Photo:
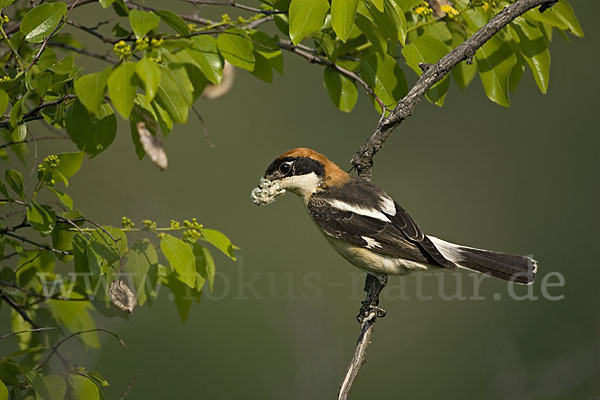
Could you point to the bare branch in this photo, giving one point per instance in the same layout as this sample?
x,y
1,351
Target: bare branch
x,y
83,51
363,158
57,345
49,328
232,3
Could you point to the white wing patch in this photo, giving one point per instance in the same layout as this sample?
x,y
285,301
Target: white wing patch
x,y
450,251
371,243
356,209
387,205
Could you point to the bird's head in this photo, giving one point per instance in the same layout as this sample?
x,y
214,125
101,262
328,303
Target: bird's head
x,y
301,171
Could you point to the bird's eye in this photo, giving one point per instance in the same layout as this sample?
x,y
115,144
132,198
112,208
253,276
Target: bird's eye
x,y
285,168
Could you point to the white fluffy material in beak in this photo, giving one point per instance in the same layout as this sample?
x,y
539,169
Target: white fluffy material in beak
x,y
266,192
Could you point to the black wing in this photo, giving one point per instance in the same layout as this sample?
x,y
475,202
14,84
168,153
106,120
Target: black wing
x,y
400,237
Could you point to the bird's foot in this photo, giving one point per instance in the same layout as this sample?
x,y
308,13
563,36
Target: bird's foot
x,y
367,310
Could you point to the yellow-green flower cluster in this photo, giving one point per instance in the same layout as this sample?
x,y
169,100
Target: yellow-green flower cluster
x,y
148,224
488,5
192,224
127,223
191,235
52,160
4,79
450,11
4,19
423,9
142,44
122,49
175,224
156,42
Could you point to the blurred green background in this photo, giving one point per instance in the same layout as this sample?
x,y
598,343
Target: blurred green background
x,y
280,323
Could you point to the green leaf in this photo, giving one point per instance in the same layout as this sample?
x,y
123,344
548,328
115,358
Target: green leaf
x,y
532,45
15,181
92,134
106,3
139,259
41,82
175,93
306,17
149,73
64,66
219,240
268,48
69,164
57,387
180,257
4,190
204,51
262,68
142,22
385,77
121,88
182,295
41,218
378,4
561,16
385,22
342,90
75,316
83,388
3,101
495,60
370,30
237,48
428,50
6,3
174,21
40,21
205,264
342,17
109,243
515,75
64,198
19,133
90,89
3,391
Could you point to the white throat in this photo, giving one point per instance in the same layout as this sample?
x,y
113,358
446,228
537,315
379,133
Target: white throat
x,y
303,185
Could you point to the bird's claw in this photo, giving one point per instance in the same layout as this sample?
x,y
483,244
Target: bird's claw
x,y
366,310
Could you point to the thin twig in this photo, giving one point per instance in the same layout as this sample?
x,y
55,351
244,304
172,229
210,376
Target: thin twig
x,y
232,3
49,328
93,32
31,140
33,114
18,309
313,58
39,245
57,345
45,42
83,51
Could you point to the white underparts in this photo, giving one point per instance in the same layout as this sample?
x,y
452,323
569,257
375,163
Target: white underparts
x,y
356,209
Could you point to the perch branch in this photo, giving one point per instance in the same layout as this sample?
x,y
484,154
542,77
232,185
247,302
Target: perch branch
x,y
363,158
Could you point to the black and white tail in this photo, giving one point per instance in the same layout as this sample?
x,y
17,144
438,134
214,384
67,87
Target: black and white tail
x,y
510,267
